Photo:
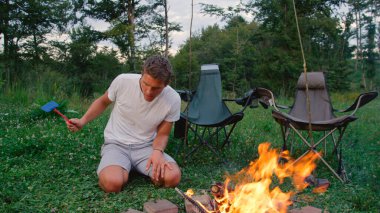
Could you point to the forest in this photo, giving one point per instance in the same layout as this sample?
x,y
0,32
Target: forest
x,y
339,37
50,50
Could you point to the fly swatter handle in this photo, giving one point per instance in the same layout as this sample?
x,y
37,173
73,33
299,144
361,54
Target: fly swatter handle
x,y
62,115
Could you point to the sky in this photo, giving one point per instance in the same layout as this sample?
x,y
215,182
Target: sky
x,y
180,12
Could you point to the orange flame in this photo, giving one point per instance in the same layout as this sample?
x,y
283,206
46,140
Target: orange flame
x,y
189,192
253,189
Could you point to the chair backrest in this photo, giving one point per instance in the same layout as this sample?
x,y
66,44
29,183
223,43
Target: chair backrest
x,y
207,106
320,104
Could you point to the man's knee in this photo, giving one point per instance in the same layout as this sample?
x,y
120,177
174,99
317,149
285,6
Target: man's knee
x,y
111,184
173,178
110,181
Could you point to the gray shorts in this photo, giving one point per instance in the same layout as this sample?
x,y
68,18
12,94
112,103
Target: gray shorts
x,y
128,156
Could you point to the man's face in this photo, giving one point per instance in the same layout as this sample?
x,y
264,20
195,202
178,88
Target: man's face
x,y
151,87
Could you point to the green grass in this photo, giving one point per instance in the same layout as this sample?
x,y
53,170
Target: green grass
x,y
45,168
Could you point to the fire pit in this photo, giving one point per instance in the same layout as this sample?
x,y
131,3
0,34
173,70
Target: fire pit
x,y
253,189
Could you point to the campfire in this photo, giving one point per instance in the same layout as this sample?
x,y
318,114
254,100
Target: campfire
x,y
256,188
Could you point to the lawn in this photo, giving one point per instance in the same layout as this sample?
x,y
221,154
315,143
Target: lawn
x,y
45,168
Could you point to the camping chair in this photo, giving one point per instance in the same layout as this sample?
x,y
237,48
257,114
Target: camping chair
x,y
320,119
207,115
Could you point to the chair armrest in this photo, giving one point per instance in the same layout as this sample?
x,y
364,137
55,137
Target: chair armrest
x,y
245,101
186,95
266,97
283,106
360,101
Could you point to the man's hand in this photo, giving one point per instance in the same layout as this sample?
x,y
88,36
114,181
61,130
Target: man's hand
x,y
75,125
96,108
158,163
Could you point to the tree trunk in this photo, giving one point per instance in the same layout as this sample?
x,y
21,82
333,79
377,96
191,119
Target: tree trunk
x,y
378,38
7,60
131,33
36,51
190,53
166,28
6,48
363,80
235,76
357,41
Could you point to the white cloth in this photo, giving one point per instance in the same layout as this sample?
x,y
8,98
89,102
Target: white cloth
x,y
134,120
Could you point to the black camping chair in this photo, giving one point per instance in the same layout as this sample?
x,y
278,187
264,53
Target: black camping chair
x,y
320,119
206,115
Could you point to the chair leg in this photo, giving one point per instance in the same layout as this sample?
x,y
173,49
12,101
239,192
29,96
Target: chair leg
x,y
338,151
325,144
341,132
312,147
225,136
292,141
200,137
329,167
339,155
341,168
181,132
228,135
323,160
192,151
197,137
285,134
217,136
216,133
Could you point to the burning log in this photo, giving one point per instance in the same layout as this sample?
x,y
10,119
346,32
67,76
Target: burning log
x,y
217,190
197,205
251,190
320,185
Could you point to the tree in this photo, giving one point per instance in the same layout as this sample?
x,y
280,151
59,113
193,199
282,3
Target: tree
x,y
24,25
366,12
156,28
104,66
358,7
369,50
234,53
122,16
266,52
81,52
235,45
133,24
87,68
321,34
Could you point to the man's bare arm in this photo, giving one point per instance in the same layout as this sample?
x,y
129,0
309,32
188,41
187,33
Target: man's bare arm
x,y
157,160
162,137
96,108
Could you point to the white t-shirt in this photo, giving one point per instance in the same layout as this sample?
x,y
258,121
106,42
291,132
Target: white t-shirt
x,y
134,120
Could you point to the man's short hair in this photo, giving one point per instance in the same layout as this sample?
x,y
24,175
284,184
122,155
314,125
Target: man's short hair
x,y
158,67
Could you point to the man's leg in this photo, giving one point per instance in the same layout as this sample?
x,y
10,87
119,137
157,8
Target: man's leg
x,y
171,178
113,168
113,178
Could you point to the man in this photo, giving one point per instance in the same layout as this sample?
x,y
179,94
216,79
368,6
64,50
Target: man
x,y
138,129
